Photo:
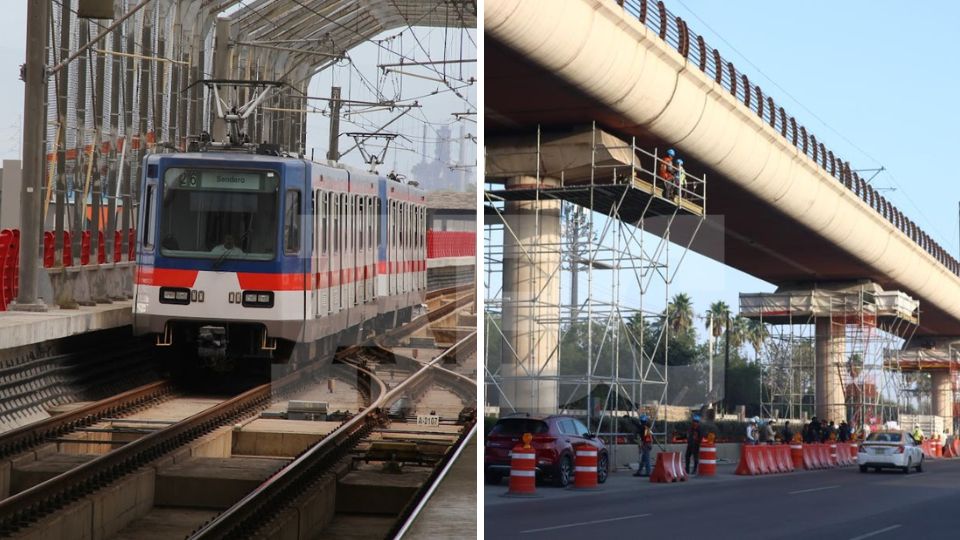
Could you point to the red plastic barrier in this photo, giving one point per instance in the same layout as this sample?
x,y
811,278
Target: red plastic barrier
x,y
49,242
67,248
117,246
101,248
747,466
668,468
784,459
6,275
834,458
85,248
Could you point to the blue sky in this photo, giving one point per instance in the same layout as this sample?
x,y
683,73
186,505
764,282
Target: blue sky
x,y
872,79
875,85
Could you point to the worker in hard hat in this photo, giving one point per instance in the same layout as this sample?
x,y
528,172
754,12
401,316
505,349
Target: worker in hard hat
x,y
694,436
666,173
752,432
681,177
917,433
644,445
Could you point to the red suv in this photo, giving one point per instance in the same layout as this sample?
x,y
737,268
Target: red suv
x,y
553,440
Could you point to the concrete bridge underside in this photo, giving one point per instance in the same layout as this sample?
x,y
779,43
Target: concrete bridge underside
x,y
562,64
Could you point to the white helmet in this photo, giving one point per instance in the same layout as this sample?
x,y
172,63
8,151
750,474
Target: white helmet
x,y
756,419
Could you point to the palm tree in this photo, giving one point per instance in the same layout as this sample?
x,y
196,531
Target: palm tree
x,y
757,333
680,313
739,331
718,313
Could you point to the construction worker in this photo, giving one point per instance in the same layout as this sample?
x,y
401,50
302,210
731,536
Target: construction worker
x,y
917,433
666,173
681,177
694,436
644,445
768,433
787,432
752,431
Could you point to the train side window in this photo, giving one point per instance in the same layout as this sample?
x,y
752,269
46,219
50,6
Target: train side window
x,y
324,231
291,222
335,217
361,216
148,232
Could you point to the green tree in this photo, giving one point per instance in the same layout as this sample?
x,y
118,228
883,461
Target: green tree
x,y
680,313
757,334
739,331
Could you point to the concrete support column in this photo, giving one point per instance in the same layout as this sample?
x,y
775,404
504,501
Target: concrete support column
x,y
531,301
831,354
943,397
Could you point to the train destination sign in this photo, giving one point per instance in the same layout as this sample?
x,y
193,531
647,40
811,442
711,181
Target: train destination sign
x,y
219,179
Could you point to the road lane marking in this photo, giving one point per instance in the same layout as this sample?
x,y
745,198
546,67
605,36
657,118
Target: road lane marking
x,y
811,490
584,523
874,533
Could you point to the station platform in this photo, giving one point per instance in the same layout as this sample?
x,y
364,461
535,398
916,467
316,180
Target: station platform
x,y
451,511
21,328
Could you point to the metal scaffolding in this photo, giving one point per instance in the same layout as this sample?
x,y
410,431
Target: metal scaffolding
x,y
862,328
575,318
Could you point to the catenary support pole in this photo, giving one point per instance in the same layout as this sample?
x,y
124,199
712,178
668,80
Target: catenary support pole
x,y
34,118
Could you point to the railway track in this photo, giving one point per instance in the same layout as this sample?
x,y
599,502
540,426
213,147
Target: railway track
x,y
31,505
246,518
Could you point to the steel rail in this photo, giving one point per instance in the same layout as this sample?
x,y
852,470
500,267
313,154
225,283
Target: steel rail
x,y
431,486
25,437
243,519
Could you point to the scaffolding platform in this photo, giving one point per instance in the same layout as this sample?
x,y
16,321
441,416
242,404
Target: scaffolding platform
x,y
630,201
867,304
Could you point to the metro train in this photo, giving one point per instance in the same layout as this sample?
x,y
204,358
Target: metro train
x,y
254,256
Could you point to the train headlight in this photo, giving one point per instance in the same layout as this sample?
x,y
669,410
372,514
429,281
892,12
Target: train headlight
x,y
174,295
260,299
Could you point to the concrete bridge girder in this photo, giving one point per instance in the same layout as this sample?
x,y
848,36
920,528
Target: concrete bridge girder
x,y
567,37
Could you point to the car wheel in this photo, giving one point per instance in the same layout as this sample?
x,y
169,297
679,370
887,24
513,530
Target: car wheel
x,y
920,465
906,470
492,478
602,468
564,472
863,468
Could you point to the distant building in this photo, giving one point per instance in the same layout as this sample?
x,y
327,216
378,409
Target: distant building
x,y
442,173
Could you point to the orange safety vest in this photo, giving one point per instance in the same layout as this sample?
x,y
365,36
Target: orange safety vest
x,y
666,168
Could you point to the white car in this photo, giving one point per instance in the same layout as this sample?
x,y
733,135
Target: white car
x,y
890,449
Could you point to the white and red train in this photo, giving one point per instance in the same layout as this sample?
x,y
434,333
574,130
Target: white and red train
x,y
248,256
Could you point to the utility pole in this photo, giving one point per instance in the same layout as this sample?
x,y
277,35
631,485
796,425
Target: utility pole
x,y
34,75
333,153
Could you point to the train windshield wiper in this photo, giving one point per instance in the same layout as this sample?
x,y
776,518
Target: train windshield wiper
x,y
221,258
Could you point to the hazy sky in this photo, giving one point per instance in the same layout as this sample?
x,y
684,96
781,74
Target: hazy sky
x,y
436,110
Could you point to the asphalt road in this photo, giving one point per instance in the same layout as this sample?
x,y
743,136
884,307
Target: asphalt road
x,y
813,505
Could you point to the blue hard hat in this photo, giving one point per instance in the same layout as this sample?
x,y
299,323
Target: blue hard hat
x,y
696,418
679,162
644,418
671,153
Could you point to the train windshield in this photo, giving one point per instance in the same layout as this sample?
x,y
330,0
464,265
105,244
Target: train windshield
x,y
219,214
